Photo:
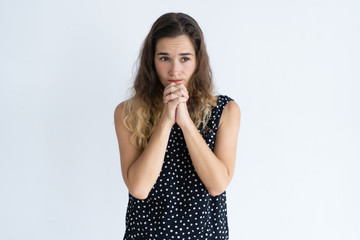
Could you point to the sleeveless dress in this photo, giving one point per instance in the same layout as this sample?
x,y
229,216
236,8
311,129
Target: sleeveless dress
x,y
179,206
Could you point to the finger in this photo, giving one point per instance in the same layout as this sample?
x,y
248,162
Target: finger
x,y
182,86
170,89
175,86
179,89
183,99
175,102
170,97
185,92
182,93
169,86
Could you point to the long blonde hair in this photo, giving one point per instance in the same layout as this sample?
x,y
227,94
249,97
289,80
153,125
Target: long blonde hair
x,y
143,110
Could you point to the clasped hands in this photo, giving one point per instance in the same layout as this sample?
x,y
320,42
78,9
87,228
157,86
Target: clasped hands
x,y
175,109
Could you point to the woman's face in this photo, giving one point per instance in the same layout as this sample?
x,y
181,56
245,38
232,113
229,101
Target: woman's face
x,y
175,59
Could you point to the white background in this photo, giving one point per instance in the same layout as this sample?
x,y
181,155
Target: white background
x,y
292,67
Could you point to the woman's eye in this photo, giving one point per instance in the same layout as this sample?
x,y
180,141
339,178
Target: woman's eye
x,y
164,58
185,59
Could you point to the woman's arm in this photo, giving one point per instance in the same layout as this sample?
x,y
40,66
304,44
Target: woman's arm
x,y
215,169
140,170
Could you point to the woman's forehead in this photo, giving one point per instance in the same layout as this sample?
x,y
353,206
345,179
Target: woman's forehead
x,y
173,45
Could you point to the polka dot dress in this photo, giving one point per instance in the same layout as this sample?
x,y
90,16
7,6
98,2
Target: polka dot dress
x,y
179,206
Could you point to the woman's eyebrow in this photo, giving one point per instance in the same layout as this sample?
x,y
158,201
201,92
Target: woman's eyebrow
x,y
181,54
185,54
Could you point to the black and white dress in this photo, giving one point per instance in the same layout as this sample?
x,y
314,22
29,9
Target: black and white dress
x,y
179,206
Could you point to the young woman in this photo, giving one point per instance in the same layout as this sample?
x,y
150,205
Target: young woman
x,y
177,140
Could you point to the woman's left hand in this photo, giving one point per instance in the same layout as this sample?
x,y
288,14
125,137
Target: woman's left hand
x,y
182,116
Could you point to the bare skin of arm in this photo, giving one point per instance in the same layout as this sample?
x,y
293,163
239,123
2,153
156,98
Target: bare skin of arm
x,y
140,169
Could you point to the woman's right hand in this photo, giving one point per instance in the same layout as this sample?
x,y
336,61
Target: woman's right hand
x,y
174,94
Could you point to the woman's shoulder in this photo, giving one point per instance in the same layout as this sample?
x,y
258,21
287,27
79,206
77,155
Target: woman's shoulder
x,y
119,109
228,107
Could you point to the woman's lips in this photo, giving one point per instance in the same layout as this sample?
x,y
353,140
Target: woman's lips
x,y
175,80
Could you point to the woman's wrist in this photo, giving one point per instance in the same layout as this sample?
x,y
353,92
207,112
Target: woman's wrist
x,y
186,123
164,123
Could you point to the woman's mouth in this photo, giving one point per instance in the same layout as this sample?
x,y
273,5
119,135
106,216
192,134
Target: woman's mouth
x,y
175,80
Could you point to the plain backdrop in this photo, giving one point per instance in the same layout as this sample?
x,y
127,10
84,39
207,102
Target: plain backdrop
x,y
292,67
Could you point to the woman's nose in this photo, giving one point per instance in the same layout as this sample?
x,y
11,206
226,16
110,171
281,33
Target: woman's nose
x,y
174,69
